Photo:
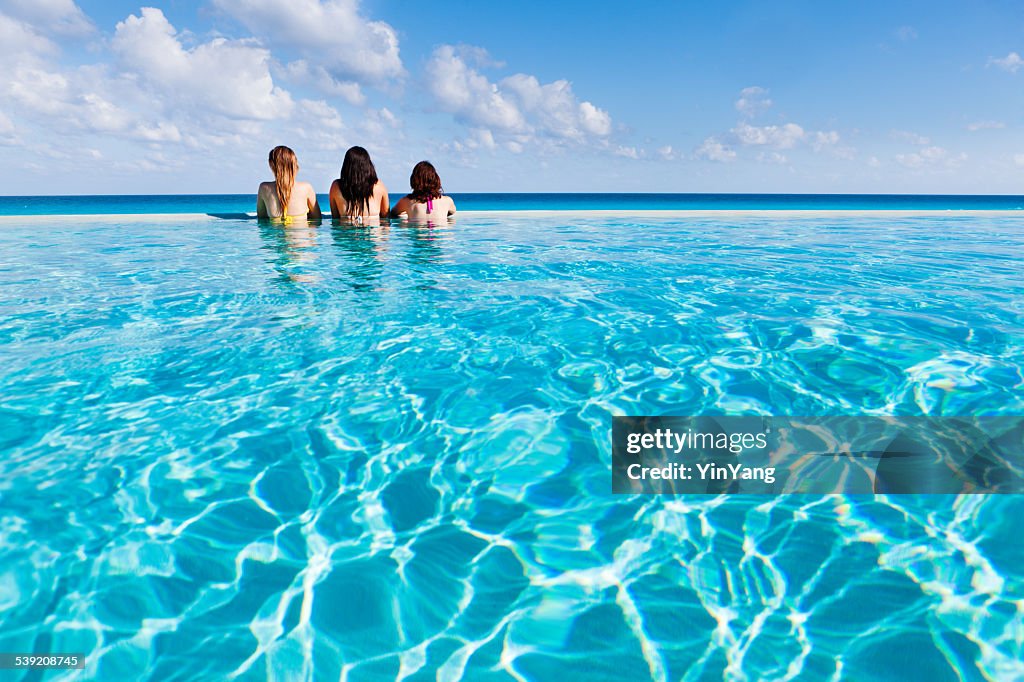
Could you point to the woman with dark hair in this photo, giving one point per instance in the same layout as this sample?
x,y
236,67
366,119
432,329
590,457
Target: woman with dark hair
x,y
427,200
285,197
357,194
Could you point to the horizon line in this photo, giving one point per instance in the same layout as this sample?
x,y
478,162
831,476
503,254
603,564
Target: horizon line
x,y
638,194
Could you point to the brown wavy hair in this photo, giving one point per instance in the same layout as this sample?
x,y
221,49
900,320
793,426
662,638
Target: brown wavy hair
x,y
425,182
282,162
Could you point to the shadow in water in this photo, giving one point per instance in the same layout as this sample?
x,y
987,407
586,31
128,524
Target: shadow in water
x,y
293,247
232,216
426,243
364,250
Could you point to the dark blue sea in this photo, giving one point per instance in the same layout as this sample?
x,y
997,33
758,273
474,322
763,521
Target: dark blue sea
x,y
238,203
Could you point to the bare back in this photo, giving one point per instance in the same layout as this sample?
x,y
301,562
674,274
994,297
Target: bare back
x,y
302,203
379,204
420,211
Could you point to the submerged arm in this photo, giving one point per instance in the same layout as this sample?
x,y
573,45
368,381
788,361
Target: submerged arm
x,y
401,207
385,203
261,204
334,197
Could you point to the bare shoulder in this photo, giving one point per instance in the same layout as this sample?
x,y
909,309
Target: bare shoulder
x,y
380,187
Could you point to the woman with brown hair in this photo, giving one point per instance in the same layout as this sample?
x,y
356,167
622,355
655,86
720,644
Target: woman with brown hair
x,y
285,198
427,201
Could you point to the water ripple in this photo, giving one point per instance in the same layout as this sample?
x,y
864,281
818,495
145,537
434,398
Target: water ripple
x,y
249,452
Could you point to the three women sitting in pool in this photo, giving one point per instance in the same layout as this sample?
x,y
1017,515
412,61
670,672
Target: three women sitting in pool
x,y
356,195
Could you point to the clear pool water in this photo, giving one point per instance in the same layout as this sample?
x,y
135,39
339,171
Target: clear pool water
x,y
239,451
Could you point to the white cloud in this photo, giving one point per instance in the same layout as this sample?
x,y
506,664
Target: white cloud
x,y
231,78
301,72
752,101
767,141
930,157
628,152
829,141
909,136
470,96
43,93
927,155
8,131
518,106
159,99
772,157
1011,62
554,108
332,34
325,115
985,125
72,102
779,137
153,162
477,57
319,126
824,139
62,17
162,131
713,150
479,138
667,152
19,42
378,122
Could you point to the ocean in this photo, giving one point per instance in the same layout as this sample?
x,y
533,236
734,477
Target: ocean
x,y
241,203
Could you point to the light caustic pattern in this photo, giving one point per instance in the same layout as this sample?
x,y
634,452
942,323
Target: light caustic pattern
x,y
234,451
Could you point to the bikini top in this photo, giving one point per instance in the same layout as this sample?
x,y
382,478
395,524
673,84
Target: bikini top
x,y
430,204
285,218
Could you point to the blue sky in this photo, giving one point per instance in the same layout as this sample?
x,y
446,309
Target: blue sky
x,y
117,97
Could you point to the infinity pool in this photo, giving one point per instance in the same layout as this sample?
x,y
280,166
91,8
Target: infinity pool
x,y
240,451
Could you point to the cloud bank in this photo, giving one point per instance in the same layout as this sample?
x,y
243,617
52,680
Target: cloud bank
x,y
518,109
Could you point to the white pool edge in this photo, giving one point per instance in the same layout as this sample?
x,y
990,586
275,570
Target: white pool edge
x,y
568,213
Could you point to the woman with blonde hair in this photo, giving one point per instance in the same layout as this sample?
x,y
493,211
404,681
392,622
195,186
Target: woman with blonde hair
x,y
286,198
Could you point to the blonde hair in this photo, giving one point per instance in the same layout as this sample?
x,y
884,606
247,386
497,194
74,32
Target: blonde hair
x,y
282,163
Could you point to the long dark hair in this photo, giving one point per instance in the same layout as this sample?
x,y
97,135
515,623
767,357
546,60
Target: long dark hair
x,y
357,180
425,182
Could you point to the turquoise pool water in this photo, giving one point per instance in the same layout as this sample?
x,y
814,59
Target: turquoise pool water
x,y
239,451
